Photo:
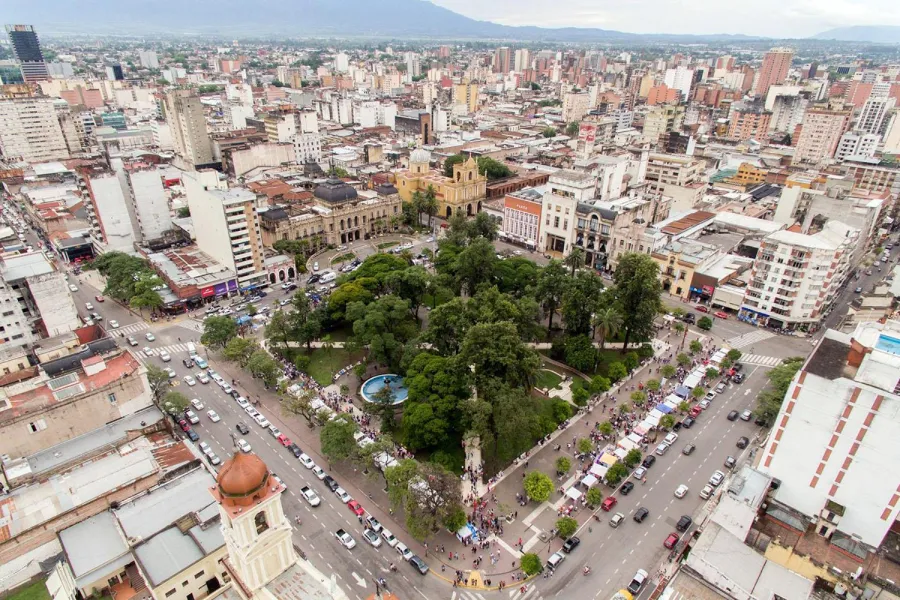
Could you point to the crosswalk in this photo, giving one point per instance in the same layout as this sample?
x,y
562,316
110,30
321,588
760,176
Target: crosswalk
x,y
514,592
171,349
763,361
752,337
133,328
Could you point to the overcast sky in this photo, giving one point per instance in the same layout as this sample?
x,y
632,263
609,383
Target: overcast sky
x,y
773,18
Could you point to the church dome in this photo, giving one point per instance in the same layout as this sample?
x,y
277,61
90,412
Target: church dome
x,y
385,189
420,155
335,190
242,475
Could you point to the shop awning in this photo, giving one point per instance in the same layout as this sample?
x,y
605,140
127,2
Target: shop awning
x,y
589,481
573,493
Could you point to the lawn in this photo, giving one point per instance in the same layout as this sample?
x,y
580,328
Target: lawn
x,y
343,257
35,591
547,380
433,302
386,245
324,363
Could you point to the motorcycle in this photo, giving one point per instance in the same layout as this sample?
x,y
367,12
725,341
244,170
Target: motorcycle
x,y
587,570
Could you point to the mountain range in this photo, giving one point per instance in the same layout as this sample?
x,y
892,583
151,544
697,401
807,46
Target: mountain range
x,y
879,34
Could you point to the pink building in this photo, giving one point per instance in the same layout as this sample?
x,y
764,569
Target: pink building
x,y
774,69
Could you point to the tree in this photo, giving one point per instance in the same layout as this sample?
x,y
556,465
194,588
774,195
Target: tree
x,y
482,226
705,323
384,326
600,384
566,527
638,398
300,405
252,310
217,331
548,132
679,327
371,456
563,464
538,486
683,359
607,321
240,350
580,353
531,564
496,352
475,265
652,385
594,497
695,346
429,494
572,129
580,395
336,438
633,458
684,406
734,355
667,371
278,330
582,297
624,408
585,445
616,371
410,285
712,373
637,294
667,421
262,366
176,402
768,402
698,392
616,473
343,296
551,286
382,407
631,361
158,380
456,519
575,260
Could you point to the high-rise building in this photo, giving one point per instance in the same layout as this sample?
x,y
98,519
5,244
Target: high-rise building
x,y
187,120
522,60
749,121
820,132
872,118
230,227
413,66
109,209
115,72
467,95
681,79
148,59
30,130
857,144
27,51
502,60
774,70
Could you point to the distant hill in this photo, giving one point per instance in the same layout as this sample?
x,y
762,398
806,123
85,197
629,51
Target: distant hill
x,y
878,34
297,18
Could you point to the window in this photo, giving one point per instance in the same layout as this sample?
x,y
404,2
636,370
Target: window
x,y
198,575
36,426
184,584
170,593
261,523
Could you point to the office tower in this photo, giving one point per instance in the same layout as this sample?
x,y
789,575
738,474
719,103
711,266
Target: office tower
x,y
187,120
680,79
774,70
502,60
149,59
522,60
115,73
872,117
30,130
413,67
821,131
27,51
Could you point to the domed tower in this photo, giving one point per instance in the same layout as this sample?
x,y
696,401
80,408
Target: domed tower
x,y
257,533
420,161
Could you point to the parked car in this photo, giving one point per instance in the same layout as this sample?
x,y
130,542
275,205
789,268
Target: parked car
x,y
688,422
747,415
671,540
648,461
732,415
730,462
742,442
419,564
570,544
720,314
683,523
608,503
717,478
641,514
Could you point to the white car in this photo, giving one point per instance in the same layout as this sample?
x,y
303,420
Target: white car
x,y
372,537
170,372
72,288
315,268
204,448
89,306
243,445
306,461
225,387
213,416
403,551
671,438
345,539
242,402
114,324
251,411
681,491
639,473
197,404
192,417
717,478
272,429
150,337
148,351
165,356
342,494
261,420
202,378
389,538
190,380
319,473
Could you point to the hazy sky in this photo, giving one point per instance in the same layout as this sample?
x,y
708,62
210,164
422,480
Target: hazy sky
x,y
774,18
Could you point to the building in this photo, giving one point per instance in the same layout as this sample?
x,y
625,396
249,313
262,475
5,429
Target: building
x,y
774,70
460,194
502,60
522,60
187,120
27,51
822,128
115,73
681,79
466,94
144,184
522,217
564,191
679,261
873,118
148,59
749,121
788,110
30,130
109,209
830,441
855,144
307,147
662,119
230,225
575,106
797,276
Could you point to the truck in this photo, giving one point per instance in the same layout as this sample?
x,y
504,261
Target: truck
x,y
309,495
640,578
345,539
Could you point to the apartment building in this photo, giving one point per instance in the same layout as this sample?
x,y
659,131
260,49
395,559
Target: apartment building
x,y
856,144
565,190
187,119
109,209
144,183
774,70
672,169
873,117
680,79
749,121
821,131
662,119
797,276
522,216
575,106
307,147
466,94
30,130
229,232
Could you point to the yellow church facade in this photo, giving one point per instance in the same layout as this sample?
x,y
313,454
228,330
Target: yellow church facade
x,y
461,194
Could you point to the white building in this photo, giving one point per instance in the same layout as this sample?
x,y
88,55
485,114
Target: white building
x,y
521,60
341,62
564,191
575,106
522,216
681,79
30,130
151,206
230,225
872,117
162,135
148,59
108,207
307,147
834,443
857,144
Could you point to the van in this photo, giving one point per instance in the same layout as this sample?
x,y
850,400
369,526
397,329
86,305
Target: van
x,y
327,277
191,349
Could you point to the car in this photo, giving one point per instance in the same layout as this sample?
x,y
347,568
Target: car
x,y
261,420
202,378
214,459
319,472
89,306
73,288
419,564
99,298
637,582
608,503
730,462
96,316
700,308
671,438
716,478
695,411
689,318
681,491
704,404
190,380
720,314
355,507
330,483
721,387
738,378
710,396
242,402
187,362
736,367
626,488
372,523
316,267
877,264
404,552
242,428
306,461
616,520
747,415
743,442
707,491
345,539
114,324
671,540
761,421
197,404
204,447
310,496
225,387
639,473
243,445
688,422
389,538
150,337
648,461
200,362
192,435
165,356
372,537
342,495
170,372
192,417
570,544
684,523
213,416
131,341
314,278
555,560
641,514
184,424
283,439
733,415
284,302
661,449
295,450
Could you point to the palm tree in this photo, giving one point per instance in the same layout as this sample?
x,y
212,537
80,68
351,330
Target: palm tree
x,y
418,199
575,259
430,204
608,321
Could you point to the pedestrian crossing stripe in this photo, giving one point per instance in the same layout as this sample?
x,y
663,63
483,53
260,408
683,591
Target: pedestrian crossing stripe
x,y
763,361
126,329
171,349
751,337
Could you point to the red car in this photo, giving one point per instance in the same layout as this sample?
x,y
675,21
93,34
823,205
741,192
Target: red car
x,y
283,440
696,410
701,309
609,503
99,298
721,315
671,541
356,508
184,424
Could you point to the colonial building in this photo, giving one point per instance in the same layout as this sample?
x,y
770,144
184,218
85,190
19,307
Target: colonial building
x,y
460,194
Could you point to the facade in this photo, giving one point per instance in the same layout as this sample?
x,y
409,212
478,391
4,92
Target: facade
x,y
307,147
873,116
30,130
678,262
187,120
460,194
109,209
774,70
466,94
522,216
565,190
230,232
821,131
681,79
855,144
672,169
151,206
749,122
662,119
27,51
502,60
575,106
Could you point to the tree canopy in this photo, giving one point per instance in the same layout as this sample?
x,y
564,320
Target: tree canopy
x,y
637,294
